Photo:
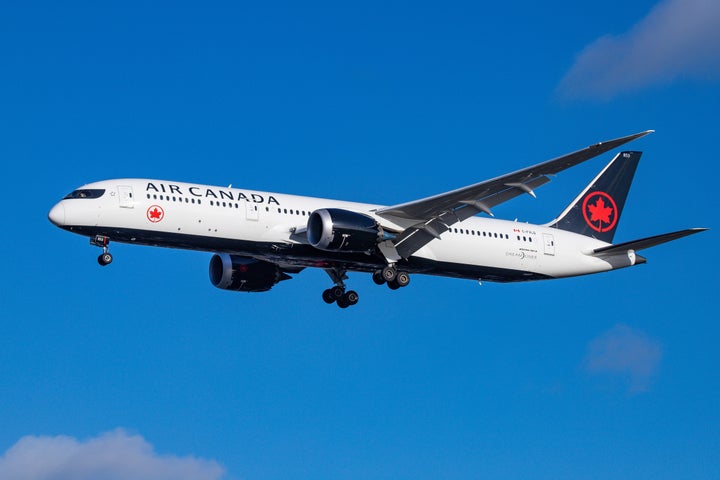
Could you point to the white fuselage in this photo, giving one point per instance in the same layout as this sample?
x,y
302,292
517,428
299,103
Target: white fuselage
x,y
269,226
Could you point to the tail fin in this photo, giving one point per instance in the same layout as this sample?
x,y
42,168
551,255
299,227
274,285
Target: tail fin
x,y
596,211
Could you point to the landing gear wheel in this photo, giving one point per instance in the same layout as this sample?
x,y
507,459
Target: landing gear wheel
x,y
351,297
402,279
393,285
377,277
327,296
389,273
343,302
337,292
105,259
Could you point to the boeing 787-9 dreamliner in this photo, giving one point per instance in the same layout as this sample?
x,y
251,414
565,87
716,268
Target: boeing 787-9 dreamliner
x,y
261,238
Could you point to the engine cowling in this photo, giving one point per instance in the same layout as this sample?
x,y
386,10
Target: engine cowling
x,y
334,229
243,274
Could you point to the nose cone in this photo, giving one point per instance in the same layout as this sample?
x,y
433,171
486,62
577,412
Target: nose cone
x,y
57,215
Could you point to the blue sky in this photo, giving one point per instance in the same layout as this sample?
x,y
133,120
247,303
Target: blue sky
x,y
144,362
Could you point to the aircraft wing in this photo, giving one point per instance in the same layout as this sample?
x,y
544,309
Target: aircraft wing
x,y
434,215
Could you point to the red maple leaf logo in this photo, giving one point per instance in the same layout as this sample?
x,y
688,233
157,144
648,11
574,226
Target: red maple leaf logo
x,y
599,212
155,213
602,215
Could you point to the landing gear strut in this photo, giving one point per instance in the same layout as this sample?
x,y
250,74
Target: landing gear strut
x,y
102,241
337,294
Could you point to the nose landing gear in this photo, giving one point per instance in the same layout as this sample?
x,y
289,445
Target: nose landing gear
x,y
102,241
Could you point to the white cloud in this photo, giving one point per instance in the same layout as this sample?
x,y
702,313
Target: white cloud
x,y
678,39
625,352
115,455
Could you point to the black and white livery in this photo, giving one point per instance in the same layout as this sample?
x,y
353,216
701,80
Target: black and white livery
x,y
260,239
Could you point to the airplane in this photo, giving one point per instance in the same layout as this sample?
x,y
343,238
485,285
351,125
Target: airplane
x,y
259,239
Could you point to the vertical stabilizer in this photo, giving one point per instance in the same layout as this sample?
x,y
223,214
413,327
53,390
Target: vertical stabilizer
x,y
596,211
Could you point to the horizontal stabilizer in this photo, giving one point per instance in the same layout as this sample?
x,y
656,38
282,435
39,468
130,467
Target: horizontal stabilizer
x,y
645,242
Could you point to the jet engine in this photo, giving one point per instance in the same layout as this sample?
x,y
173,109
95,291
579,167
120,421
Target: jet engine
x,y
335,230
244,274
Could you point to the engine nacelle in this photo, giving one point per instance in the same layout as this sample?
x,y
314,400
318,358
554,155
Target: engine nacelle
x,y
243,274
335,230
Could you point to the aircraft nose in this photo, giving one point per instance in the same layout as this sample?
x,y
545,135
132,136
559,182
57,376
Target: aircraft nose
x,y
57,215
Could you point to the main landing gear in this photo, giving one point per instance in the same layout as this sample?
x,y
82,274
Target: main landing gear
x,y
102,241
390,275
337,294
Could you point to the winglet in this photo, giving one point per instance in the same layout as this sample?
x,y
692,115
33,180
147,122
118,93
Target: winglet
x,y
624,140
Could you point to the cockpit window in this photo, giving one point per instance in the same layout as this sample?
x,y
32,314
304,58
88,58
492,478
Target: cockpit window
x,y
86,193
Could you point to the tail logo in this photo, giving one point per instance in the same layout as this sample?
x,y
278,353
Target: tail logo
x,y
600,211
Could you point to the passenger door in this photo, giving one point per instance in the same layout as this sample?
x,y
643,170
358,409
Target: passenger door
x,y
125,196
549,242
252,212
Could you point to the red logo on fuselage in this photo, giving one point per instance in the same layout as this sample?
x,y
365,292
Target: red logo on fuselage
x,y
600,211
155,213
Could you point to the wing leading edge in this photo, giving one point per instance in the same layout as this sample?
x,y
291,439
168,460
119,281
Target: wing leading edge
x,y
434,215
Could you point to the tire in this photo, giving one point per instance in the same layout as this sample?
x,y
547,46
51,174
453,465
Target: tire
x,y
377,277
105,259
337,292
328,297
393,285
402,279
342,302
352,297
389,273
